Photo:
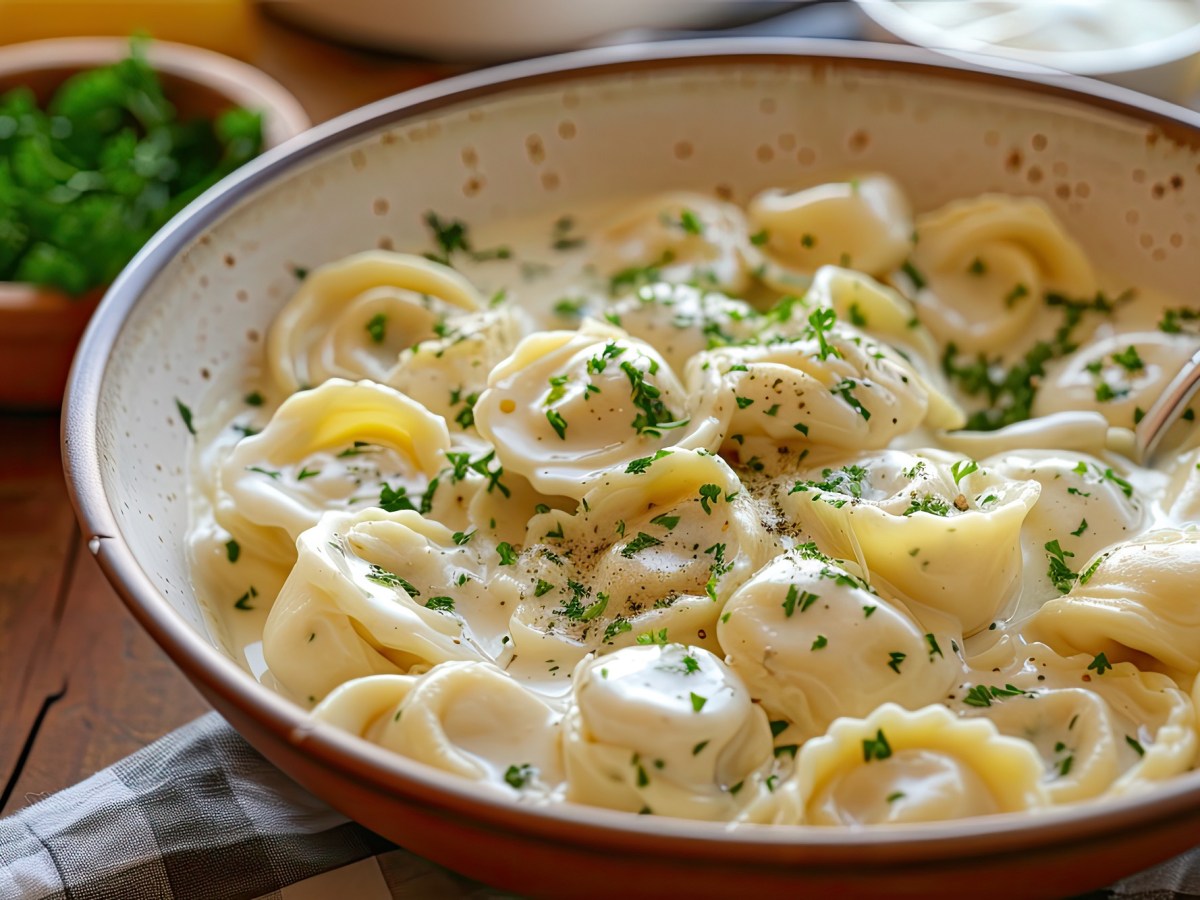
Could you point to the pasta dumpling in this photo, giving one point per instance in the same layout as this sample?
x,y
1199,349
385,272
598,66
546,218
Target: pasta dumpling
x,y
940,531
681,320
831,389
446,373
654,551
351,318
382,593
1135,601
1118,376
897,766
984,264
664,729
865,222
676,237
567,406
334,447
813,642
1083,507
1099,727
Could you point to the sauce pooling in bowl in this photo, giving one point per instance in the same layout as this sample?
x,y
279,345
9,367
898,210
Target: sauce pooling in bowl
x,y
803,512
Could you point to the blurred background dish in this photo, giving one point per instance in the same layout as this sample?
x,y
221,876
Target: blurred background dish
x,y
1148,45
40,326
486,30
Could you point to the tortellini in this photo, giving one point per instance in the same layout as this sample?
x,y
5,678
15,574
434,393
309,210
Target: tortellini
x,y
833,388
980,268
896,766
676,237
940,531
813,642
1099,728
695,516
665,729
1119,376
568,406
381,593
329,448
352,317
655,550
1084,506
864,223
1135,601
680,320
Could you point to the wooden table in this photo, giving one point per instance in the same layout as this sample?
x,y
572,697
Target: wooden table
x,y
82,684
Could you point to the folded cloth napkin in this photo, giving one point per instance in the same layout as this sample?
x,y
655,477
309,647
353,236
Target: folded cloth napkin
x,y
200,814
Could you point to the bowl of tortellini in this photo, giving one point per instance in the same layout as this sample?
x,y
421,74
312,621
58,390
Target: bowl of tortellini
x,y
706,465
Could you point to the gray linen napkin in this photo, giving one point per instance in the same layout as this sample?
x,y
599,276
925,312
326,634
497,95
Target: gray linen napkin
x,y
200,814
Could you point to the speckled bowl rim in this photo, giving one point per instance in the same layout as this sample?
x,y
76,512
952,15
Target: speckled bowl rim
x,y
383,772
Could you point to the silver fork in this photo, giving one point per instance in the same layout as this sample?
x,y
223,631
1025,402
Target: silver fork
x,y
1162,414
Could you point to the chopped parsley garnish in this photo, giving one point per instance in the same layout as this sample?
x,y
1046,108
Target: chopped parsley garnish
x,y
1083,524
1128,359
441,604
394,500
1009,394
913,274
507,555
232,550
820,643
638,544
665,521
983,695
557,422
690,222
380,575
592,610
185,413
377,327
451,238
617,626
653,637
929,503
820,322
797,598
963,468
1136,745
895,658
543,588
518,776
844,389
709,493
876,748
1060,574
243,602
1099,664
639,466
254,398
697,701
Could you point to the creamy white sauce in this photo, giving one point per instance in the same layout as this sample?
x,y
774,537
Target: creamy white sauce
x,y
631,527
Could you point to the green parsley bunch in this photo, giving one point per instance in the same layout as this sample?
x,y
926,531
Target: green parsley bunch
x,y
86,181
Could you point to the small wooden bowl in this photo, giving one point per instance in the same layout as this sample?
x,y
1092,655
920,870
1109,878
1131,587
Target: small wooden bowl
x,y
40,328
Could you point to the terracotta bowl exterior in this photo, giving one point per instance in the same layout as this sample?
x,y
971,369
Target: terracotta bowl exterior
x,y
39,328
186,321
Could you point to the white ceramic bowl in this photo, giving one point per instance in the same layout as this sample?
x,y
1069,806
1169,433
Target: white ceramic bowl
x,y
483,30
1165,65
186,321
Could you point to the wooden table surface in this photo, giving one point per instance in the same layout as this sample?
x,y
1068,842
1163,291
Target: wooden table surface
x,y
83,686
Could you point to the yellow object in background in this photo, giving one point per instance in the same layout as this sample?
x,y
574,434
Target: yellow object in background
x,y
227,26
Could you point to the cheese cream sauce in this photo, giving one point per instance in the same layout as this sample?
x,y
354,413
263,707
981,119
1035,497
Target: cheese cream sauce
x,y
807,511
